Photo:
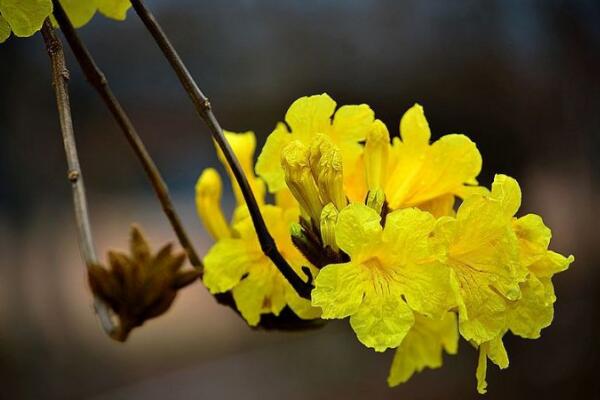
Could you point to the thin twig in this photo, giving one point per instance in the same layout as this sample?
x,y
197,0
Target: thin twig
x,y
204,109
98,80
60,77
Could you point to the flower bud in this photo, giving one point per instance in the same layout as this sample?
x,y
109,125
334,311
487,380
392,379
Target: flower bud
x,y
376,155
328,220
208,204
298,176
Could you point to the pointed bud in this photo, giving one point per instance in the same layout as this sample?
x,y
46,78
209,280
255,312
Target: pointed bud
x,y
208,204
376,155
375,200
319,145
331,178
328,221
298,176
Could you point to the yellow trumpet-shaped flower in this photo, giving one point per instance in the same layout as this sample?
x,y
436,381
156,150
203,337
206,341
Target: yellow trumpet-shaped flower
x,y
482,251
236,262
534,310
414,173
307,117
390,275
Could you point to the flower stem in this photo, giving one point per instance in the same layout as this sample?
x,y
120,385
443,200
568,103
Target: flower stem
x,y
98,80
204,109
60,77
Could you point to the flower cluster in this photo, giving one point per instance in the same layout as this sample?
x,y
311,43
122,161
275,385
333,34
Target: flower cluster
x,y
375,221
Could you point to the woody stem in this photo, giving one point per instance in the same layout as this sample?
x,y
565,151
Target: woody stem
x,y
204,110
98,80
60,78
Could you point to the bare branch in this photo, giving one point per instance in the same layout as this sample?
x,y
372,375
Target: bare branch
x,y
98,80
60,77
204,109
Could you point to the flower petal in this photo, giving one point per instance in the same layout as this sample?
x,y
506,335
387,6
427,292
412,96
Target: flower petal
x,y
428,288
261,292
453,160
440,206
507,192
208,204
495,351
268,165
310,115
4,29
407,233
358,227
422,347
414,128
79,12
226,263
382,320
115,9
351,123
301,307
243,146
534,310
551,264
25,17
339,290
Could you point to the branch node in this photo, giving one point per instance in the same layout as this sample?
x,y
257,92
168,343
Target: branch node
x,y
73,176
66,75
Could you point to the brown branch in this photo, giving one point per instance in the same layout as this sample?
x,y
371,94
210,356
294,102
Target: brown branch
x,y
204,109
60,77
98,80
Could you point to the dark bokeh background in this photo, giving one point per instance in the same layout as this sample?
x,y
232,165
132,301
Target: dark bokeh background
x,y
521,78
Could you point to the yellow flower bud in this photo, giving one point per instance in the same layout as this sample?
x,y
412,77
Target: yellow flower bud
x,y
319,145
328,220
376,155
376,199
330,178
298,176
208,204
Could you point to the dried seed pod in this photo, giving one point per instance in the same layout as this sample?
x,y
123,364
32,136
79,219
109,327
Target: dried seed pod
x,y
140,285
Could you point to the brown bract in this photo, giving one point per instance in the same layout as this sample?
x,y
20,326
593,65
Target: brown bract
x,y
140,285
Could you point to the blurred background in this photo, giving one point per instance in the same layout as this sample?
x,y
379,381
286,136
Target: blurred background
x,y
521,78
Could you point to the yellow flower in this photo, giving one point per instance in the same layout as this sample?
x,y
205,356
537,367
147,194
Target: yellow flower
x,y
390,275
481,250
236,262
414,173
307,117
527,316
422,347
535,309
